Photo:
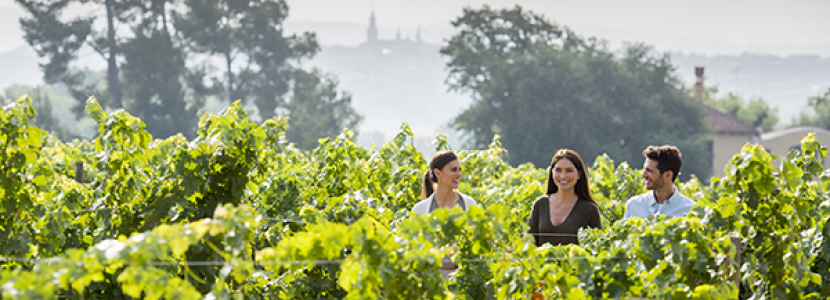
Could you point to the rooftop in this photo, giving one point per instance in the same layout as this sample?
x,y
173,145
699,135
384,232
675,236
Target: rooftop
x,y
793,129
727,124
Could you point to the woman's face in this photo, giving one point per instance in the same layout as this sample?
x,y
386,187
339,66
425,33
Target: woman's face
x,y
565,174
450,175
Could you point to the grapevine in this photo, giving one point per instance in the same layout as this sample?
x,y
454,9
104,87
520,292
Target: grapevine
x,y
239,213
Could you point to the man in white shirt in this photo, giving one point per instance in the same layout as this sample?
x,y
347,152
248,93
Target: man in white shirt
x,y
660,170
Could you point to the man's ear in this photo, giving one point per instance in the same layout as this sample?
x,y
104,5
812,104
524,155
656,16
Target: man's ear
x,y
668,175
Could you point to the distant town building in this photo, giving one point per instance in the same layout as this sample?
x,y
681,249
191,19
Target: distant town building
x,y
372,31
731,134
372,38
782,141
729,137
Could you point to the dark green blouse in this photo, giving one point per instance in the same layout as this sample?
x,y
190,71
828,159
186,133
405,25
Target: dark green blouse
x,y
585,213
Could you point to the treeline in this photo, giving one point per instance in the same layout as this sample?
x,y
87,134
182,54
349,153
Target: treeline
x,y
537,84
784,82
165,58
542,87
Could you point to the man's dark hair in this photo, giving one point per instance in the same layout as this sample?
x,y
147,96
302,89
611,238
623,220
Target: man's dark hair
x,y
667,158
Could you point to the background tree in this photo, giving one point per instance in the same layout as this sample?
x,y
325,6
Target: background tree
x,y
317,110
60,41
247,36
146,58
817,112
161,64
154,73
542,87
42,103
755,111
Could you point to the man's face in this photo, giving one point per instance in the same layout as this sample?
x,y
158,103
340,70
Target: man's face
x,y
654,180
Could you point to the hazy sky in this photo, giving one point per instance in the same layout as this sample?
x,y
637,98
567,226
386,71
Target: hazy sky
x,y
700,26
703,26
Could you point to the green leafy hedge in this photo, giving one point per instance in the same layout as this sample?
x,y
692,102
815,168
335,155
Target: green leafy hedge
x,y
239,213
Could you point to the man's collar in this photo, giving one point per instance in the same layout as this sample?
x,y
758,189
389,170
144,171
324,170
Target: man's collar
x,y
653,198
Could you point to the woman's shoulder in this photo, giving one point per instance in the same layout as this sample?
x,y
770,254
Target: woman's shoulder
x,y
543,199
467,199
422,207
588,203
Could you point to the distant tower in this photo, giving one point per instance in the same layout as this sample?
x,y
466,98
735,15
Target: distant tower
x,y
418,36
398,35
699,83
372,31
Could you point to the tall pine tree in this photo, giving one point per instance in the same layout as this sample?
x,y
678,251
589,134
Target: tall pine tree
x,y
247,36
60,41
154,73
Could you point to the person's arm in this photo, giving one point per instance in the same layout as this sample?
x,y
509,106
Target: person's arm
x,y
469,201
533,222
596,219
419,208
685,208
627,213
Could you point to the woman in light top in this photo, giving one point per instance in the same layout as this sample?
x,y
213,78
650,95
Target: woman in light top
x,y
568,204
440,184
439,191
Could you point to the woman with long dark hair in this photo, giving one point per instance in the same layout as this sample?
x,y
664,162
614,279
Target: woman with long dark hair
x,y
568,204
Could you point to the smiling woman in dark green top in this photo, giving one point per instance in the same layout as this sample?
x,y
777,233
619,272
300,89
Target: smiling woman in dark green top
x,y
568,204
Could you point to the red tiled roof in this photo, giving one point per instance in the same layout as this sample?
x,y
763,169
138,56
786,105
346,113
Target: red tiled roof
x,y
725,123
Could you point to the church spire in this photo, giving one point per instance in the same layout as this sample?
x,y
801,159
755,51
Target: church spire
x,y
372,31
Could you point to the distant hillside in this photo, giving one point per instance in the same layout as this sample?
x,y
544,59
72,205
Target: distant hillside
x,y
392,82
407,83
353,34
20,67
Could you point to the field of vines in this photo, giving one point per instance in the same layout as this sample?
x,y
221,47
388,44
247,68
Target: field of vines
x,y
239,213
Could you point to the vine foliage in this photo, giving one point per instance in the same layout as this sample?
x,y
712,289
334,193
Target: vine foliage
x,y
238,212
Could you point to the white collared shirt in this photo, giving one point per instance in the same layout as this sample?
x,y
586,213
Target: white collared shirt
x,y
645,205
422,207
